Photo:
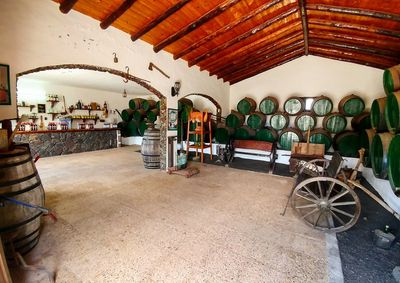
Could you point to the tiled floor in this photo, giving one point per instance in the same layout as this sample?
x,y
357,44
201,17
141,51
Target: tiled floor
x,y
119,222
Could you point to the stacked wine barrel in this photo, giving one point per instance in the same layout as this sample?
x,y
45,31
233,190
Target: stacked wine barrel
x,y
135,118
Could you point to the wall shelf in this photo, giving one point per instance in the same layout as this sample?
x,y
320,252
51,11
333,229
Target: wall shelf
x,y
27,106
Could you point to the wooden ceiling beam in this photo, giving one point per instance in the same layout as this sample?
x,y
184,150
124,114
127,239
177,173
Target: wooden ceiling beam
x,y
353,11
304,23
194,25
352,26
280,15
260,61
259,53
353,56
67,6
159,19
116,14
226,28
279,61
286,28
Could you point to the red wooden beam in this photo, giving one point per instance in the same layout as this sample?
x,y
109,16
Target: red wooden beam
x,y
226,28
280,61
194,25
116,14
303,15
281,15
67,6
159,19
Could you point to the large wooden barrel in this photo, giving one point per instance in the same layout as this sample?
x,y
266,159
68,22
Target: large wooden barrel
x,y
246,105
288,136
267,134
279,121
294,105
151,148
322,106
391,79
321,136
347,143
305,121
394,164
148,104
256,120
142,127
377,113
351,105
19,180
379,154
152,115
132,129
269,105
366,137
158,105
184,101
235,119
123,128
138,115
361,121
244,133
135,103
334,123
392,112
223,134
127,114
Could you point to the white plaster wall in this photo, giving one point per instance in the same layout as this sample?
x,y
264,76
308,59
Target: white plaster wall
x,y
36,33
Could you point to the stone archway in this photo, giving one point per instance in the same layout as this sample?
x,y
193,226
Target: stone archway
x,y
213,101
127,76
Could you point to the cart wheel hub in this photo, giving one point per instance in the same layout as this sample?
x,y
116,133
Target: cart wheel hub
x,y
324,204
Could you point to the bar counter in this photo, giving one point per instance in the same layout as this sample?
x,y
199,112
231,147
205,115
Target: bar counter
x,y
57,142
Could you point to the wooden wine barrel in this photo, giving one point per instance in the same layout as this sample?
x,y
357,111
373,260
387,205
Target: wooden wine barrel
x,y
132,129
223,134
139,115
279,121
256,120
122,126
347,143
127,114
148,104
246,106
321,136
305,121
322,106
184,101
135,103
394,164
151,148
142,128
361,121
235,119
377,113
351,105
334,123
366,137
269,105
19,180
158,105
288,136
391,79
293,105
392,112
267,134
379,154
152,115
244,133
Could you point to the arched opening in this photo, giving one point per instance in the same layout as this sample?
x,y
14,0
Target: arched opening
x,y
212,100
126,77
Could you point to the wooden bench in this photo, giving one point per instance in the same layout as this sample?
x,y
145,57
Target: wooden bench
x,y
239,146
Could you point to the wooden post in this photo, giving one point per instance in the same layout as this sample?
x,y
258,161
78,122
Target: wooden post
x,y
4,273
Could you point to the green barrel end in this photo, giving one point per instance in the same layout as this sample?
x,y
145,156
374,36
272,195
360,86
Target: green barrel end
x,y
394,164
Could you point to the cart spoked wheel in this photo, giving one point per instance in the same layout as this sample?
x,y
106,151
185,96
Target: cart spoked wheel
x,y
326,203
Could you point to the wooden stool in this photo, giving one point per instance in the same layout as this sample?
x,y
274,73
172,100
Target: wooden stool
x,y
200,119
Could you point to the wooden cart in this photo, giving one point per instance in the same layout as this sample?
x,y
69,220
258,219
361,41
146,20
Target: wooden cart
x,y
324,198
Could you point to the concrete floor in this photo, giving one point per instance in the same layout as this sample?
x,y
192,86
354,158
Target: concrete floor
x,y
119,222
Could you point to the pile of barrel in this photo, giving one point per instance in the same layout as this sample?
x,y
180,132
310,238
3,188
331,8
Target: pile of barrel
x,y
135,118
270,124
383,140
